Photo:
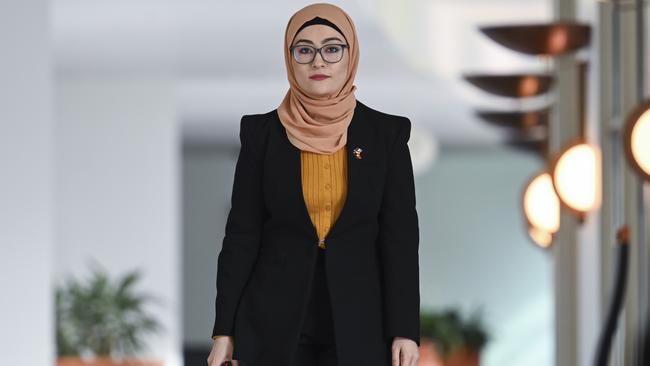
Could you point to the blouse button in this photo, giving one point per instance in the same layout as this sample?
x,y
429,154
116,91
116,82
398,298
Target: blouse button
x,y
327,186
326,165
327,207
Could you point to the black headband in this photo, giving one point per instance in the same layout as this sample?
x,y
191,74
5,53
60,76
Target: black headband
x,y
318,20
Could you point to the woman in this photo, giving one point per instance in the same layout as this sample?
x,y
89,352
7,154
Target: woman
x,y
319,264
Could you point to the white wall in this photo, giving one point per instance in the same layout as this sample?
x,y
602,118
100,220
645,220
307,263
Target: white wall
x,y
26,233
117,189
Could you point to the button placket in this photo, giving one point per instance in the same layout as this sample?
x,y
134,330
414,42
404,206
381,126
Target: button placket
x,y
327,185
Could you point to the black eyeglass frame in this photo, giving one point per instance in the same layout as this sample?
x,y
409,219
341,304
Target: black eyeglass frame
x,y
318,50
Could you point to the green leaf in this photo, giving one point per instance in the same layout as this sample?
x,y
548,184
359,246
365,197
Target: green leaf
x,y
103,316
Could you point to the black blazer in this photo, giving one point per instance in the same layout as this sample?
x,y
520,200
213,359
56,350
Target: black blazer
x,y
270,246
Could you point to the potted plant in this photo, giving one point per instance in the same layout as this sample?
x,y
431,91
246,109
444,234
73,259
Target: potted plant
x,y
101,322
450,340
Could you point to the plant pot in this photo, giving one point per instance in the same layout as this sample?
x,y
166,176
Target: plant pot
x,y
429,355
105,361
463,357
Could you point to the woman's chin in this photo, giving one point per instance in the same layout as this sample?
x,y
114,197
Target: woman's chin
x,y
320,93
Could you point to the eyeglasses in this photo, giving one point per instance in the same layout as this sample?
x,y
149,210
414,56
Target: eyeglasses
x,y
304,54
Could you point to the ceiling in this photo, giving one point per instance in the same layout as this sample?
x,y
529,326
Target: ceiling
x,y
226,56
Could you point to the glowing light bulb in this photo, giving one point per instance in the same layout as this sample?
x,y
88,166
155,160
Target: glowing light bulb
x,y
540,237
541,204
639,143
576,177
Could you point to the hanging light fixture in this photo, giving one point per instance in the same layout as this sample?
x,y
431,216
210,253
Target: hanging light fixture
x,y
576,169
532,141
540,237
637,139
541,209
522,119
560,184
512,85
576,177
547,39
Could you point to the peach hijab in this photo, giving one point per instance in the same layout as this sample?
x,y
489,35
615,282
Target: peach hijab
x,y
319,124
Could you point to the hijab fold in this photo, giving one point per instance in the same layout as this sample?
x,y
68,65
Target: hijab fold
x,y
312,123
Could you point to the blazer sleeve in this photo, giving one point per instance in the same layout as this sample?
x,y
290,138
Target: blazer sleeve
x,y
398,241
243,230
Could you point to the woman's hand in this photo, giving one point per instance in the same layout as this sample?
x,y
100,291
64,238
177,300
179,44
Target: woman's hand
x,y
405,352
221,352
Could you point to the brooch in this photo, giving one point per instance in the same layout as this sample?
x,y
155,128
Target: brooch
x,y
357,152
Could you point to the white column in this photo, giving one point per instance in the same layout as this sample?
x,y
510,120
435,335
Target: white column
x,y
26,231
631,196
576,250
622,186
564,129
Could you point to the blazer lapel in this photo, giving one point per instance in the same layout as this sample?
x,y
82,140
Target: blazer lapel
x,y
356,138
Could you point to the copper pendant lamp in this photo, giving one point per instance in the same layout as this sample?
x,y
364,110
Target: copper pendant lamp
x,y
550,39
513,85
516,119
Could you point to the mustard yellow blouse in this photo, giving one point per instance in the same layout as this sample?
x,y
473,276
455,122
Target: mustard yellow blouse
x,y
324,188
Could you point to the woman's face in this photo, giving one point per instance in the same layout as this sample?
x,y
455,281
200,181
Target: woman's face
x,y
319,35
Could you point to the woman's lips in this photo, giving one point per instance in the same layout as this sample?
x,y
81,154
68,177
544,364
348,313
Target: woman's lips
x,y
319,77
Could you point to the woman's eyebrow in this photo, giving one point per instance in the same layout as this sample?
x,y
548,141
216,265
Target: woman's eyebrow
x,y
325,40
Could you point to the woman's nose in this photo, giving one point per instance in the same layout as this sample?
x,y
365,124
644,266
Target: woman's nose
x,y
318,60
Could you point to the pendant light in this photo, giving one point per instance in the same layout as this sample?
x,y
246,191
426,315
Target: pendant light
x,y
637,139
541,208
551,39
540,237
576,168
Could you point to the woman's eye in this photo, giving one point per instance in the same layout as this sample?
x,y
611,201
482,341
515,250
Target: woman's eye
x,y
305,50
333,49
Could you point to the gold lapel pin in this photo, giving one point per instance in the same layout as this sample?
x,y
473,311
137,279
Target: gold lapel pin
x,y
357,152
